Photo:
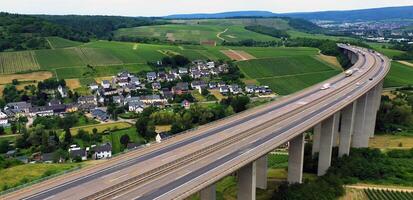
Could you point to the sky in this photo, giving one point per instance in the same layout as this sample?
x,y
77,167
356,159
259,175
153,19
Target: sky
x,y
168,7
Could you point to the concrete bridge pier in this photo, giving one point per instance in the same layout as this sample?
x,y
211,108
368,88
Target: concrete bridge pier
x,y
347,128
261,169
326,143
360,136
208,193
353,58
247,182
296,159
371,112
336,130
316,139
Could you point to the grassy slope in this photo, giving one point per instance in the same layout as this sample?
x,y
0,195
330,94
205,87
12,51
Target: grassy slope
x,y
115,136
281,66
21,174
58,42
399,75
386,51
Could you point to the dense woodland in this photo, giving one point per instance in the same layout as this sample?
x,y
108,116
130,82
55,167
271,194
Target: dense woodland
x,y
24,32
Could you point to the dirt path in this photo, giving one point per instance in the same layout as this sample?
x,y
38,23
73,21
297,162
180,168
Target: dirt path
x,y
219,34
406,63
50,44
135,46
381,187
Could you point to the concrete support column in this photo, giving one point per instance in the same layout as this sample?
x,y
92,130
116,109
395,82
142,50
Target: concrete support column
x,y
371,112
347,128
336,129
208,193
261,167
326,144
316,139
247,182
353,58
296,159
360,137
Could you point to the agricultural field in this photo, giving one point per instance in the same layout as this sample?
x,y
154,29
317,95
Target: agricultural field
x,y
282,66
194,33
386,51
13,62
400,75
58,42
271,22
89,72
24,79
378,194
289,84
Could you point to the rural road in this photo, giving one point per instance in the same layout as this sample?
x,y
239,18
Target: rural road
x,y
219,34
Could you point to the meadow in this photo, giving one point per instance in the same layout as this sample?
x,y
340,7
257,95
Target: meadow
x,y
114,138
289,84
400,75
57,42
282,66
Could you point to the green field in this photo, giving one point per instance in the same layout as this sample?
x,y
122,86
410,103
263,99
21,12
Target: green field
x,y
282,66
386,51
194,33
12,62
115,136
57,42
22,174
378,194
400,75
290,84
263,52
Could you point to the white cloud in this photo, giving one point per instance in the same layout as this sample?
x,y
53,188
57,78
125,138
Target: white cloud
x,y
167,7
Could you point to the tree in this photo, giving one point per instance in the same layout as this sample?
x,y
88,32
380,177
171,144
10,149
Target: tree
x,y
15,82
13,128
2,130
68,137
4,146
124,140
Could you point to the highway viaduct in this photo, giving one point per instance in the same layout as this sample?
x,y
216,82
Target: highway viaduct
x,y
342,115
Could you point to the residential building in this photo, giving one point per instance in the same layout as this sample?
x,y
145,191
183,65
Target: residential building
x,y
100,114
186,104
130,99
87,100
153,99
135,81
106,84
135,107
62,90
156,86
250,89
19,107
4,121
103,151
180,88
212,85
183,70
151,76
224,89
118,99
78,152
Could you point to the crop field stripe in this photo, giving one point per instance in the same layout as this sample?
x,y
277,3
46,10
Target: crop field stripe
x,y
302,74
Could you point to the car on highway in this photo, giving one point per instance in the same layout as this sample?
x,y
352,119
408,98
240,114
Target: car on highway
x,y
326,86
349,72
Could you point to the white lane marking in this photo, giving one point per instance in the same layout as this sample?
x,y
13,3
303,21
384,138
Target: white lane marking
x,y
50,197
120,177
105,176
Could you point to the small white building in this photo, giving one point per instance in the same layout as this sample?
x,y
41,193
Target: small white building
x,y
223,89
62,91
3,119
135,107
93,86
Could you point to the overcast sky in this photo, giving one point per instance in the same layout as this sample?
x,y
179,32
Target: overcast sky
x,y
168,7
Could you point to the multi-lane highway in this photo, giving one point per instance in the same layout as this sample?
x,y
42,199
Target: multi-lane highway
x,y
181,166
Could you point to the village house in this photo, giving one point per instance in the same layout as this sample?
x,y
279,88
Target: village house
x,y
235,89
250,89
135,81
78,152
62,91
100,114
156,86
102,152
18,107
153,100
130,99
224,89
105,84
135,107
118,99
180,88
212,85
87,100
151,76
183,70
199,85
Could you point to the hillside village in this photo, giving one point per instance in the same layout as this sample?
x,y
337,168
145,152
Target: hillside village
x,y
129,93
